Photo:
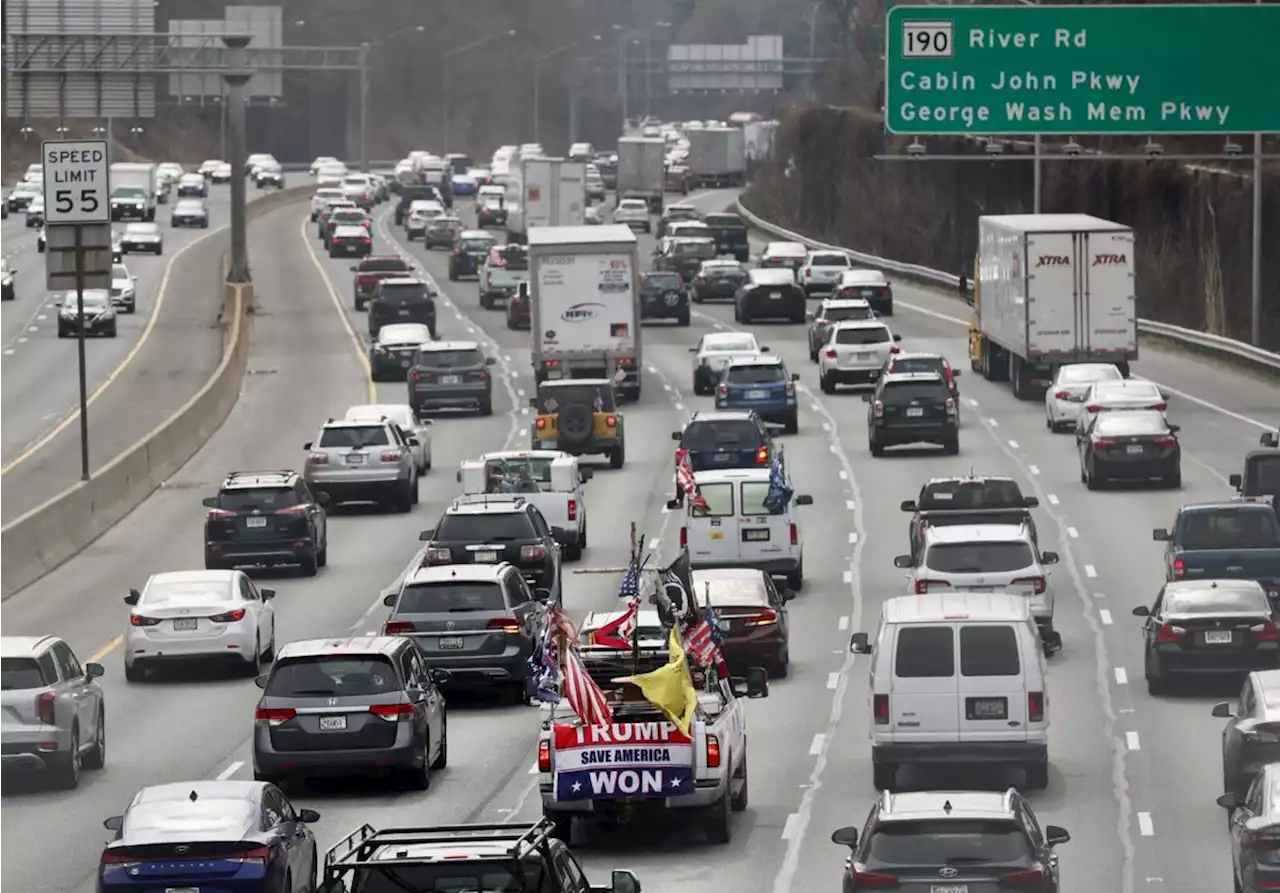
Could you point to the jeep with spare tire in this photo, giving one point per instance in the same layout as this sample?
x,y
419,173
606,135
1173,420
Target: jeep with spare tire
x,y
579,416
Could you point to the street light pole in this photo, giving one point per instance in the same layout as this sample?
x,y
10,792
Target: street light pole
x,y
537,80
364,107
237,78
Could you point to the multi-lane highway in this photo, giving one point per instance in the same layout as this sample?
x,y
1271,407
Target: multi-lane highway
x,y
1133,777
164,352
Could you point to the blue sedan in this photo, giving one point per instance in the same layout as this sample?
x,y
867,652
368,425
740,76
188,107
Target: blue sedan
x,y
762,385
224,836
464,184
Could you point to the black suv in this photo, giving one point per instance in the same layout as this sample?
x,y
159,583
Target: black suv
x,y
469,253
726,439
478,622
664,296
949,502
488,528
912,407
683,255
978,841
730,233
402,299
266,517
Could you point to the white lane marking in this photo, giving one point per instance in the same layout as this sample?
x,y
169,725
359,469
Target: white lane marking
x,y
1053,500
826,426
1013,444
846,578
833,679
666,387
853,537
1122,676
1145,827
654,543
1090,571
520,392
23,340
791,830
533,770
10,352
507,357
1073,533
1034,469
844,475
652,369
230,770
1131,741
819,740
971,401
1105,616
849,504
33,328
994,423
42,316
1099,595
844,624
679,406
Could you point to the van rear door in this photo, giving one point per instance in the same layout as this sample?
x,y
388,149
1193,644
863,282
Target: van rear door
x,y
993,699
715,535
762,536
924,685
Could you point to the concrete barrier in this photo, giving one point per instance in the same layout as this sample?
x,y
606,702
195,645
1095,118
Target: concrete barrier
x,y
50,534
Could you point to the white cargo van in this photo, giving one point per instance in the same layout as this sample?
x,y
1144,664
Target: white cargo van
x,y
549,479
958,679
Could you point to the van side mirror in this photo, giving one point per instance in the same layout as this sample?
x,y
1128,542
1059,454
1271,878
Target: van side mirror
x,y
810,316
211,502
354,268
132,597
439,676
1270,439
764,348
1236,481
693,350
795,376
897,338
804,499
94,670
1229,800
458,475
623,880
1054,835
845,837
956,373
307,445
1049,558
1160,535
427,535
390,599
902,561
542,595
1141,611
866,398
308,816
1223,710
860,643
1174,429
673,505
586,474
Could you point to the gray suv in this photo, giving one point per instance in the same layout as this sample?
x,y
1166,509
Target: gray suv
x,y
451,375
363,461
54,717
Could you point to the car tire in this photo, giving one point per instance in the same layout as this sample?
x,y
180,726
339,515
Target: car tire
x,y
561,824
486,407
573,551
253,665
877,449
442,759
617,457
884,776
111,332
825,383
66,774
322,556
795,578
418,778
1037,775
951,446
453,275
739,801
1174,481
1157,685
717,824
1092,481
270,654
308,565
485,303
780,668
683,319
414,496
792,424
96,758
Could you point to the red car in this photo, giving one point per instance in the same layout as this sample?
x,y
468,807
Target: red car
x,y
373,269
518,306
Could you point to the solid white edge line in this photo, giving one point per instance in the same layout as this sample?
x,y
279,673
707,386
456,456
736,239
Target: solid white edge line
x,y
231,770
1131,741
1122,676
818,740
1145,827
789,829
1105,616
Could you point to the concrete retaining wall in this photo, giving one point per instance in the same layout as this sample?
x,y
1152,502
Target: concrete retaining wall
x,y
51,534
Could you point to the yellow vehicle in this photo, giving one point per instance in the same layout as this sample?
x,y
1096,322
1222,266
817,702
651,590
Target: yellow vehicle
x,y
976,337
579,416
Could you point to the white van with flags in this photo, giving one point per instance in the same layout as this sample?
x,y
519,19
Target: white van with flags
x,y
551,480
739,528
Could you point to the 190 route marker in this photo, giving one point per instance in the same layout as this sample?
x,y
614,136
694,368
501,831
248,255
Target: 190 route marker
x,y
76,181
1083,69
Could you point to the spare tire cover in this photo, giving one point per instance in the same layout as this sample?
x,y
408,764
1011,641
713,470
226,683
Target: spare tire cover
x,y
576,423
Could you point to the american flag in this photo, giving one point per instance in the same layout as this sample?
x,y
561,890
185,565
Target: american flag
x,y
686,481
545,668
705,641
780,491
630,585
586,698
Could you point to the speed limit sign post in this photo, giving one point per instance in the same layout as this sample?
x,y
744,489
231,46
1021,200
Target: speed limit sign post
x,y
77,216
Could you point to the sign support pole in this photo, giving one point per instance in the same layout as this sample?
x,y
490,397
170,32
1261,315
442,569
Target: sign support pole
x,y
1037,179
84,381
1255,326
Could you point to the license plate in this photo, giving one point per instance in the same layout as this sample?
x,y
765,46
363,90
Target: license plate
x,y
981,589
915,411
775,296
185,623
448,379
333,723
404,364
723,458
757,395
487,557
755,536
989,708
862,355
255,522
949,888
355,459
1218,637
717,534
1133,448
404,312
181,890
450,643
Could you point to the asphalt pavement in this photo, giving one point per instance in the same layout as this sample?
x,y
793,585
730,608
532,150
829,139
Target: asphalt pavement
x,y
1133,777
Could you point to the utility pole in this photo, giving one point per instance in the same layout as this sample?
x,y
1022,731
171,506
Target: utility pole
x,y
236,79
364,107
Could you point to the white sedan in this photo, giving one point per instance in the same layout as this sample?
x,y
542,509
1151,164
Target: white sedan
x,y
716,351
1070,384
191,615
402,414
1111,396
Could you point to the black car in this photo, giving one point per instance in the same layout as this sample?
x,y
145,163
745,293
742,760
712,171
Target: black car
x,y
402,300
489,528
952,501
718,280
1254,819
412,193
1138,445
726,439
491,212
469,253
663,296
918,361
673,213
683,255
730,233
267,518
912,407
1207,627
769,294
451,375
161,837
372,270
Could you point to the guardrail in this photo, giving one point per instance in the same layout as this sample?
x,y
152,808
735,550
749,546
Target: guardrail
x,y
52,533
1201,341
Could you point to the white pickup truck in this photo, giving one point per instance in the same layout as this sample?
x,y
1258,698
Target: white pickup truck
x,y
504,270
642,762
551,480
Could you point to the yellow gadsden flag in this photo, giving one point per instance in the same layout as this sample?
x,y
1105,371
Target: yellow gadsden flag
x,y
669,688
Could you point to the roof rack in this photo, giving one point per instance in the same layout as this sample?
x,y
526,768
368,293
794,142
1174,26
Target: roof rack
x,y
358,848
272,471
518,500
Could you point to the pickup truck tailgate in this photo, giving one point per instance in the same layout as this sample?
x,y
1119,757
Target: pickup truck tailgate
x,y
1262,565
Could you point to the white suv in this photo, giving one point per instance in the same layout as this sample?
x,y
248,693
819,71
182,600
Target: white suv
x,y
855,353
633,212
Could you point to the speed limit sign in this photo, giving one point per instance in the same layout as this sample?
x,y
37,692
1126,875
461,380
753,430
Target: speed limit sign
x,y
77,185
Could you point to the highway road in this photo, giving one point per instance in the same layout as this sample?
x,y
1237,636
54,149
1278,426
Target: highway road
x,y
1134,778
162,355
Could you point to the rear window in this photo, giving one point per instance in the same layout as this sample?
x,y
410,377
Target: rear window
x,y
719,499
1216,601
756,374
552,400
491,527
207,591
840,314
724,220
477,245
722,433
863,291
723,271
925,652
452,877
1131,423
989,651
1266,471
753,497
904,392
348,216
332,676
676,213
695,249
871,335
658,281
517,258
204,817
406,292
947,842
979,558
21,673
448,598
449,359
1088,374
354,437
1228,529
829,260
265,499
984,494
918,364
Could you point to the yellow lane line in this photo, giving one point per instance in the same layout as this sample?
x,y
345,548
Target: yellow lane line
x,y
106,649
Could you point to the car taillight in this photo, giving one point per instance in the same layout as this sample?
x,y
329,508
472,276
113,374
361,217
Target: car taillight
x,y
951,406
457,252
611,421
415,375
1170,633
830,353
228,616
723,390
533,553
1160,406
1166,441
439,556
626,361
1035,706
397,627
573,509
684,537
1093,407
1265,632
877,409
45,708
220,515
1037,582
1062,395
504,624
1103,444
1179,569
368,197
790,388
392,456
923,584
1031,877
895,349
140,620
368,241
795,535
880,709
867,880
273,716
764,618
392,712
808,273
318,459
713,751
120,859
482,374
1265,840
544,755
762,455
540,424
297,511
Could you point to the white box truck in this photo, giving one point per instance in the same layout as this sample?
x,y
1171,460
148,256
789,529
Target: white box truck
x,y
546,192
717,157
1051,289
586,304
135,188
642,170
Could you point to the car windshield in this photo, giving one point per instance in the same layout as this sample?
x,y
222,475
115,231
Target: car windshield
x,y
402,292
129,192
633,204
730,345
265,499
979,558
1266,473
598,397
1131,423
1087,374
661,281
675,212
710,435
696,249
384,265
188,207
353,437
346,231
332,676
93,300
347,216
918,364
901,393
141,229
788,250
449,598
717,271
450,359
947,842
1229,528
756,374
202,818
21,673
1223,600
868,335
195,591
1126,390
829,260
490,527
840,314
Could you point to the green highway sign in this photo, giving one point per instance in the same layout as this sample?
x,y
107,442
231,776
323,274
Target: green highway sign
x,y
1141,69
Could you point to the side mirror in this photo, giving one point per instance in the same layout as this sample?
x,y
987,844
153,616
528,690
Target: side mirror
x,y
810,316
1031,502
903,561
1229,800
1142,611
390,599
956,373
261,681
859,643
211,502
766,349
94,670
490,361
897,337
866,398
693,350
795,376
413,441
623,880
439,676
908,505
1270,439
1160,535
1222,710
1048,557
267,594
115,823
586,474
542,595
804,499
676,435
1054,835
458,475
1174,429
787,595
307,445
1235,480
322,498
757,682
354,269
533,402
673,505
132,597
334,885
560,534
845,837
308,816
427,535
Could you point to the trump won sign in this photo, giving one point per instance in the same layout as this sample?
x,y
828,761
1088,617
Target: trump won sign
x,y
622,760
